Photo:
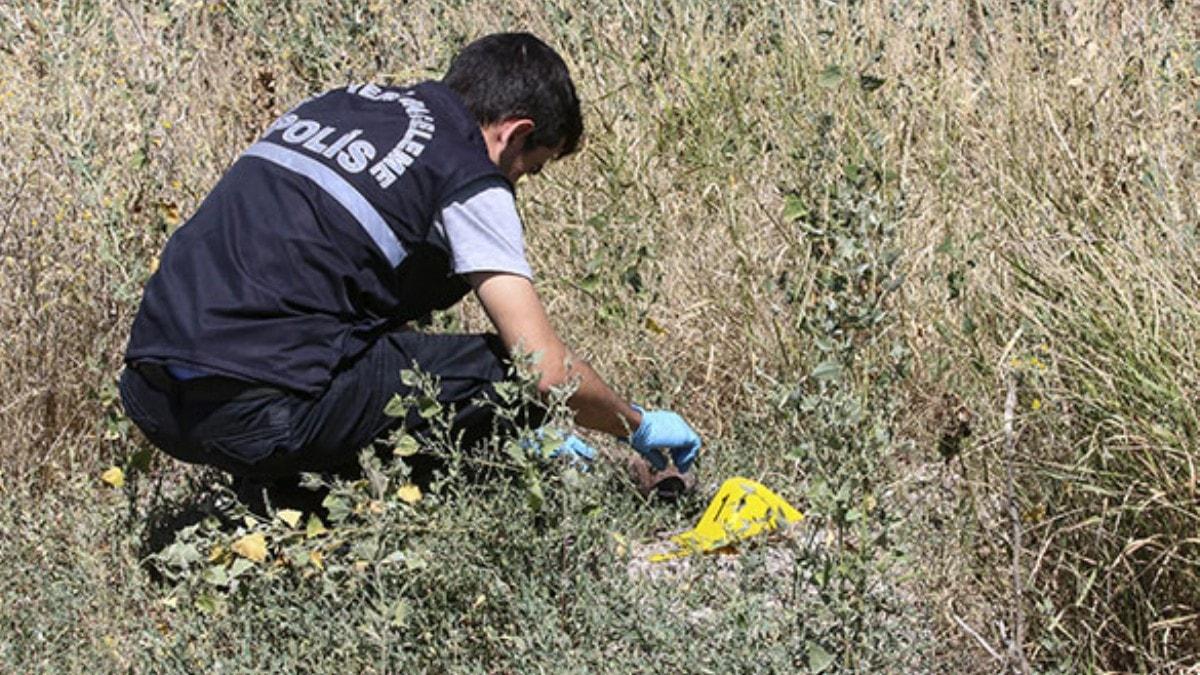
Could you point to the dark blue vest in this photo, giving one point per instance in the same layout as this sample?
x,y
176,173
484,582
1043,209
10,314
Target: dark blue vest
x,y
317,240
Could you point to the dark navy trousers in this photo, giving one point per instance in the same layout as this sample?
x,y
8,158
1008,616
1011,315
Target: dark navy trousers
x,y
267,433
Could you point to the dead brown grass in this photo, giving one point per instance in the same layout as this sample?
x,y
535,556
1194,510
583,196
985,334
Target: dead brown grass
x,y
1047,152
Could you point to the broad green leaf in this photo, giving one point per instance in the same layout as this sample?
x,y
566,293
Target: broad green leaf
x,y
819,660
364,550
337,507
515,451
828,371
870,83
315,527
830,77
400,614
217,575
506,390
396,407
533,491
239,566
406,446
429,407
208,604
843,493
590,283
794,208
140,460
416,561
551,442
181,555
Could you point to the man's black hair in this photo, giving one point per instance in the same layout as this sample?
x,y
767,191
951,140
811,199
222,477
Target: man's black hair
x,y
507,75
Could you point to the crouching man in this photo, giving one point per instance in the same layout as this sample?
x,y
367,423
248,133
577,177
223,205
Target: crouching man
x,y
273,333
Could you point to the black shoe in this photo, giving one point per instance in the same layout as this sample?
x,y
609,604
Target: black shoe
x,y
264,497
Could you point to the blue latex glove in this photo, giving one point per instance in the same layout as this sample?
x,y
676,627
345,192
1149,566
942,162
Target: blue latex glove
x,y
572,447
664,430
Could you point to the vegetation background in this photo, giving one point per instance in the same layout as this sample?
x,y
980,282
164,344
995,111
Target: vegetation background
x,y
927,269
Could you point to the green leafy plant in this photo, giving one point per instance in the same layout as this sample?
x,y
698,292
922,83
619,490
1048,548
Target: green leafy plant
x,y
845,407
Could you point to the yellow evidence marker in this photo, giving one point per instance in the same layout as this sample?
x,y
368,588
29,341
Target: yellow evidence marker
x,y
741,509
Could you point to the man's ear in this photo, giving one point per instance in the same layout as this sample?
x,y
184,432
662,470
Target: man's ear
x,y
514,131
506,140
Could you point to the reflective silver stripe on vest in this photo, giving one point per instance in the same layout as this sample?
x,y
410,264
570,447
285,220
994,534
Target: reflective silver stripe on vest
x,y
338,188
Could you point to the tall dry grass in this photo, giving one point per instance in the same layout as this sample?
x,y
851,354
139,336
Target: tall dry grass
x,y
1059,206
1046,153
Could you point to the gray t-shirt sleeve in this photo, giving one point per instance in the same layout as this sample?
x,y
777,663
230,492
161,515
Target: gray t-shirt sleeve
x,y
483,229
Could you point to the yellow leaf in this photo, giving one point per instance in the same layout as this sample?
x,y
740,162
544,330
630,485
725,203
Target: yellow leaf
x,y
289,516
409,494
622,543
316,559
655,327
217,553
171,215
1035,514
114,476
251,547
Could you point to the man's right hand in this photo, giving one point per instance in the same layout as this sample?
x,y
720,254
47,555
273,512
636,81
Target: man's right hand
x,y
665,430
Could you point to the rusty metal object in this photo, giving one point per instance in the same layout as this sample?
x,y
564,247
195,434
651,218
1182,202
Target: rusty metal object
x,y
667,484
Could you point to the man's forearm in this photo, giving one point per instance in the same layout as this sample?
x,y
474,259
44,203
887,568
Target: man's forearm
x,y
597,406
512,304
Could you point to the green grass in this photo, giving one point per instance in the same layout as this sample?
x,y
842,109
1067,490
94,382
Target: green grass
x,y
469,578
